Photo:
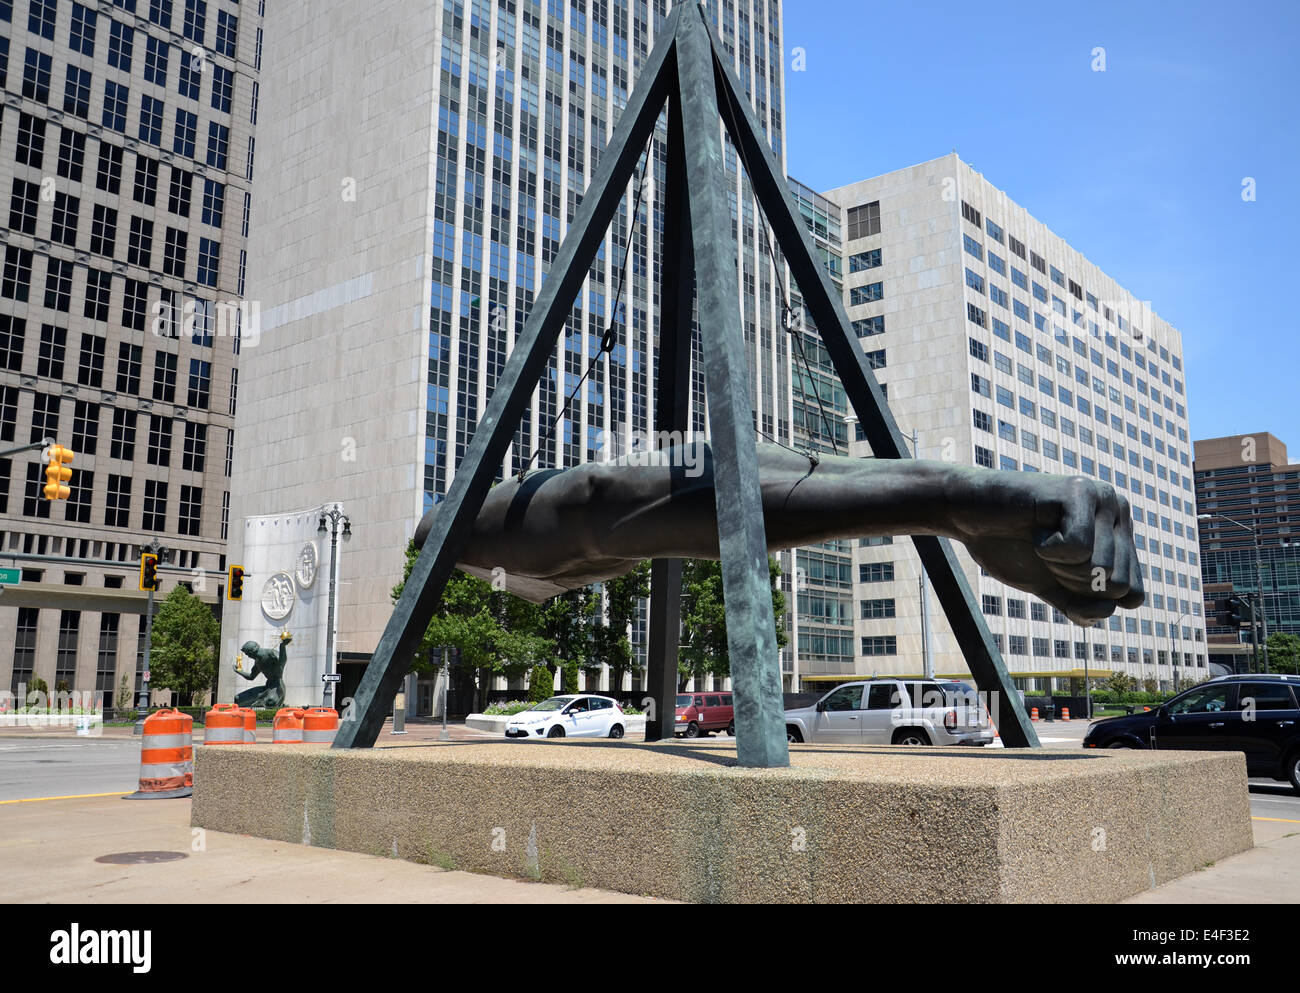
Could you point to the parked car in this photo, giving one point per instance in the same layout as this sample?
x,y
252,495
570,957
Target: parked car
x,y
1255,714
894,712
571,716
703,713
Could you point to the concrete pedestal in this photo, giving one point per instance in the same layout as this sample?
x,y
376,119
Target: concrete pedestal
x,y
682,821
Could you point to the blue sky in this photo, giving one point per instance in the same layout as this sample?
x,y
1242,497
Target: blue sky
x,y
1195,98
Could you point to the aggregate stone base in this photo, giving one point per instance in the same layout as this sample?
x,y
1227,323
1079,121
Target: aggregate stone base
x,y
682,821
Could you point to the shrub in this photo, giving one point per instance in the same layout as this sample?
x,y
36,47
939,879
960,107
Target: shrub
x,y
540,684
507,708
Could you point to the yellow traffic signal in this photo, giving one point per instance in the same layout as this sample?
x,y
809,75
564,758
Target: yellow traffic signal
x,y
57,474
148,572
235,583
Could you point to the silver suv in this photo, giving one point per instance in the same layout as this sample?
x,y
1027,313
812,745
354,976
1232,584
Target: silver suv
x,y
894,712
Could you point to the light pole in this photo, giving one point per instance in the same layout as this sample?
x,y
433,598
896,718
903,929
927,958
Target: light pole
x,y
142,705
1175,632
1259,580
335,517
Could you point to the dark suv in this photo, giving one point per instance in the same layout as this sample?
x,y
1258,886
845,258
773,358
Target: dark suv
x,y
1255,714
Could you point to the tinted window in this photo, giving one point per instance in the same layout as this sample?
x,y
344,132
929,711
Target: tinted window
x,y
598,704
726,699
925,695
1206,700
845,698
713,701
580,706
699,701
881,696
683,701
1266,696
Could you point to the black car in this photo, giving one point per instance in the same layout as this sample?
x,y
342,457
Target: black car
x,y
1255,714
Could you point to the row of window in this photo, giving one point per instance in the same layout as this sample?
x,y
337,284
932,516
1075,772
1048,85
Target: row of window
x,y
117,502
1037,262
42,16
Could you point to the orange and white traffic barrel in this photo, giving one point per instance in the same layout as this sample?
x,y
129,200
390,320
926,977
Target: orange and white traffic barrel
x,y
166,757
1065,713
223,725
287,729
1033,714
320,725
250,725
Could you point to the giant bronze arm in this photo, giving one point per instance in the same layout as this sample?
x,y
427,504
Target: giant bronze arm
x,y
1066,539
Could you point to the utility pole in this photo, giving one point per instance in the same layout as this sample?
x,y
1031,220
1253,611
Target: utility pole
x,y
149,581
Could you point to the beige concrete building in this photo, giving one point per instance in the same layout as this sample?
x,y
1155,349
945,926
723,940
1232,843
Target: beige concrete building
x,y
418,170
1001,345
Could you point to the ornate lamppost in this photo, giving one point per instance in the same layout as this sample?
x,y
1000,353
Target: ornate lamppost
x,y
333,522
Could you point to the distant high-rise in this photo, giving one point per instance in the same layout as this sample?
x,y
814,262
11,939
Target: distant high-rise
x,y
126,154
420,167
1248,494
1000,345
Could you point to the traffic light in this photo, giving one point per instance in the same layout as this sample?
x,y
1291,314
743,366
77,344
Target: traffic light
x,y
57,474
235,583
1232,612
148,572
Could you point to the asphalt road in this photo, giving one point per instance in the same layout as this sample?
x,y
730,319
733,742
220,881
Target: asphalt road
x,y
33,768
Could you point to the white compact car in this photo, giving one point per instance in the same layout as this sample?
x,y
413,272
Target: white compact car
x,y
573,716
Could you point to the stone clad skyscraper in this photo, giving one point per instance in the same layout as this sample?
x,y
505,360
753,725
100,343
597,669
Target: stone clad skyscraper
x,y
420,166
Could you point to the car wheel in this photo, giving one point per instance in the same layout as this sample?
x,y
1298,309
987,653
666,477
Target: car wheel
x,y
731,729
555,732
692,730
910,736
1121,743
616,731
1293,769
792,734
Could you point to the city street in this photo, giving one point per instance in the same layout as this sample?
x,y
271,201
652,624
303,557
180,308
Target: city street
x,y
34,768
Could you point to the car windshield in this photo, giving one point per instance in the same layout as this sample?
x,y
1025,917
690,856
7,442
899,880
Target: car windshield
x,y
683,701
554,703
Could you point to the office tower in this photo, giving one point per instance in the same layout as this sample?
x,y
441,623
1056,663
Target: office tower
x,y
1001,345
420,166
126,155
1248,495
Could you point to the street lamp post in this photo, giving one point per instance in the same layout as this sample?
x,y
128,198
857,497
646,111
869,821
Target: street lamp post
x,y
335,517
142,704
1176,633
1259,580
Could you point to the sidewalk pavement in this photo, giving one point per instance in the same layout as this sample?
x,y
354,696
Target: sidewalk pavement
x,y
49,849
1267,873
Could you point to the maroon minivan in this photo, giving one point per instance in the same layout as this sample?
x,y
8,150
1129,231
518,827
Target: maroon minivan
x,y
703,713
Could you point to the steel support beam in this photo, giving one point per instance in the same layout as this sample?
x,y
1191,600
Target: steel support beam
x,y
672,413
826,306
397,647
751,626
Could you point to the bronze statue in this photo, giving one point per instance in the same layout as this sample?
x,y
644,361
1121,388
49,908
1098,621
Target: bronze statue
x,y
270,664
1065,539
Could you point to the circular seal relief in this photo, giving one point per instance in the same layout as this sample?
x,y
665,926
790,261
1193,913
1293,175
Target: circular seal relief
x,y
278,596
307,564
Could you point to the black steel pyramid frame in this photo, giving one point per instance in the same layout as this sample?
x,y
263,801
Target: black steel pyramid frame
x,y
687,72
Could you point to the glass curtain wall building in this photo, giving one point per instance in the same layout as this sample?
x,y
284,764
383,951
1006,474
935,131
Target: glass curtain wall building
x,y
494,114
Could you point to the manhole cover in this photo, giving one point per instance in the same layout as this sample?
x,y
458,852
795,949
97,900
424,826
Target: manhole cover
x,y
140,858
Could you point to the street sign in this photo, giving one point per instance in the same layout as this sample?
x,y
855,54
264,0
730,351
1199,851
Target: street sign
x,y
146,675
10,577
331,677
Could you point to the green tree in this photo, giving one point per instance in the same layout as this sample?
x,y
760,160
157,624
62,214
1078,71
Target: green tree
x,y
704,619
568,622
1120,682
612,645
1284,653
186,644
496,632
123,700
